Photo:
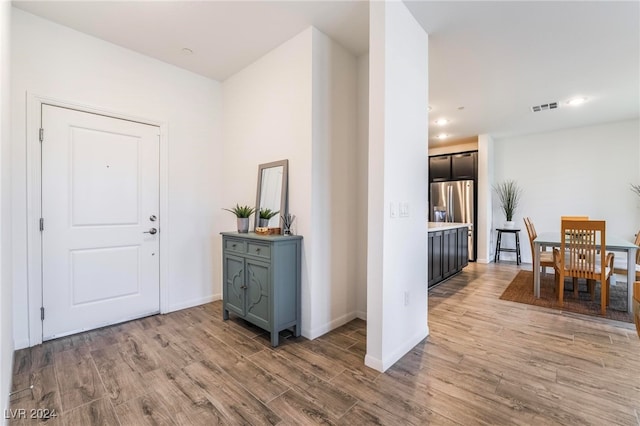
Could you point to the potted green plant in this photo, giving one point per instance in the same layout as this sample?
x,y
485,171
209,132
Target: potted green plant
x,y
265,216
242,214
636,189
509,194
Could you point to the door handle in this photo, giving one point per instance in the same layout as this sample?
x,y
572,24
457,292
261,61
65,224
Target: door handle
x,y
151,231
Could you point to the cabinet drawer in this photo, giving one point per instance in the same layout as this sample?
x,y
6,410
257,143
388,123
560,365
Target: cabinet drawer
x,y
236,246
260,250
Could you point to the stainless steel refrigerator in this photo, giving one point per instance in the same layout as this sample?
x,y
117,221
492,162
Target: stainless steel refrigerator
x,y
453,201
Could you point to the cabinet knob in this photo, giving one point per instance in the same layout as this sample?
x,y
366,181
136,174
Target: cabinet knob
x,y
258,250
243,287
233,245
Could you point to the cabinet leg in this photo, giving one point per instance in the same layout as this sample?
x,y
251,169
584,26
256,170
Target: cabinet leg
x,y
225,314
274,338
296,330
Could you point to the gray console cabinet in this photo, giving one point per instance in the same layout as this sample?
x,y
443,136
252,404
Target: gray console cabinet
x,y
261,280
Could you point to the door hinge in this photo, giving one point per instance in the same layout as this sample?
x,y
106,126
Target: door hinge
x,y
41,224
41,134
42,313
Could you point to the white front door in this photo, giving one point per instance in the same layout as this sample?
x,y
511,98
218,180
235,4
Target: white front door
x,y
100,199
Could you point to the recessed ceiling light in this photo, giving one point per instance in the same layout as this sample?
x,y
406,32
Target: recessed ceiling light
x,y
186,51
577,101
441,121
442,136
460,108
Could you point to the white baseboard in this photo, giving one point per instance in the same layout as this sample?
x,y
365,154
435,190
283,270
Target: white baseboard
x,y
361,315
374,363
333,324
383,365
484,261
20,344
194,302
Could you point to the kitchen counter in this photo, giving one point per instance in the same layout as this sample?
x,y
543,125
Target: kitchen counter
x,y
448,250
441,226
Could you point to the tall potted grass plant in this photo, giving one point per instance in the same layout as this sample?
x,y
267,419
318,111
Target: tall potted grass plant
x,y
509,194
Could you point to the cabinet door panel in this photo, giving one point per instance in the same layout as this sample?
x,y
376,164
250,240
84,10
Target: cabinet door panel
x,y
258,305
463,166
234,283
449,248
430,279
439,168
435,256
463,247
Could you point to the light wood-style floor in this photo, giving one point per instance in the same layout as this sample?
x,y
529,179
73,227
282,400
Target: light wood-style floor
x,y
486,361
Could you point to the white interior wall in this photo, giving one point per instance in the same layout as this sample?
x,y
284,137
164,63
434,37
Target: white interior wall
x,y
397,247
57,62
300,99
274,95
334,216
455,148
362,174
6,316
581,171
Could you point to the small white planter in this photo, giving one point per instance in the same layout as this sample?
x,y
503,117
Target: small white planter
x,y
510,224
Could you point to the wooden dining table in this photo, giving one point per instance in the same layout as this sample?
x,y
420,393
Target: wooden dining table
x,y
613,243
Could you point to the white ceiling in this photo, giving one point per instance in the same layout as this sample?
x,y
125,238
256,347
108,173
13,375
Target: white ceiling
x,y
496,59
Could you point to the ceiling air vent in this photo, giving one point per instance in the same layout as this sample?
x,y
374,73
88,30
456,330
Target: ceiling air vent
x,y
544,107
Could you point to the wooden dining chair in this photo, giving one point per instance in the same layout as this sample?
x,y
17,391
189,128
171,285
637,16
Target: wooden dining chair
x,y
556,268
636,305
581,257
546,257
620,264
574,218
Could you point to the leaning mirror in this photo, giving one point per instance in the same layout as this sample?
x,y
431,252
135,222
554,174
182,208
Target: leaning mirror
x,y
272,192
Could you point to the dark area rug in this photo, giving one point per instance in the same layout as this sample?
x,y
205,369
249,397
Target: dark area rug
x,y
521,290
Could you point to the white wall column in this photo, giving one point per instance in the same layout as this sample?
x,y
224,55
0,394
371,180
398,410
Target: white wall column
x,y
6,312
485,211
397,228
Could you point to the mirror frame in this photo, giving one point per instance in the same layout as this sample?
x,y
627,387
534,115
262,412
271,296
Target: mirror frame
x,y
284,195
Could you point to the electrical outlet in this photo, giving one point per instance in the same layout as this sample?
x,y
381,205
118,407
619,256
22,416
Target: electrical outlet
x,y
393,212
406,298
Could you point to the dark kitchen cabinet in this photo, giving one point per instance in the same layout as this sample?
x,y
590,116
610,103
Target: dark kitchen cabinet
x,y
464,165
440,168
435,257
448,253
463,247
461,166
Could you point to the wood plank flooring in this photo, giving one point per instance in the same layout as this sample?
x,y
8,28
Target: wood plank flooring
x,y
486,361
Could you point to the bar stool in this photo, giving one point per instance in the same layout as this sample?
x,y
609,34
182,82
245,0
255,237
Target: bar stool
x,y
499,248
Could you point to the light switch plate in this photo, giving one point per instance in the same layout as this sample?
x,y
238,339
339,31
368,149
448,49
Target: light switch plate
x,y
404,209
